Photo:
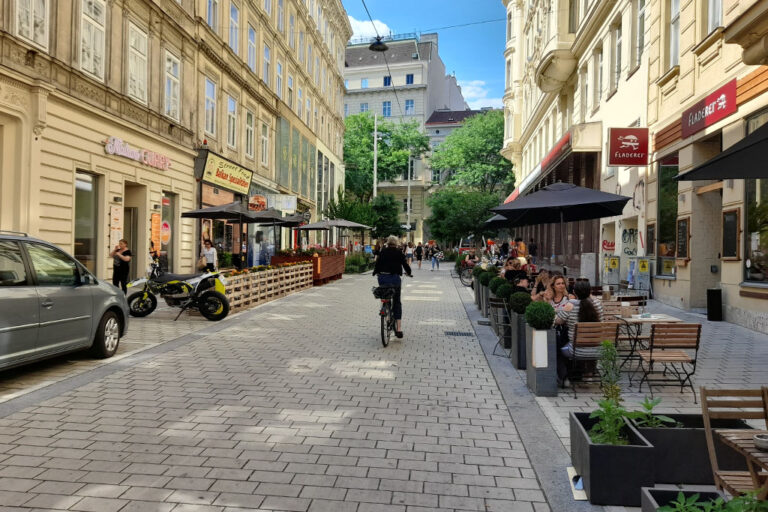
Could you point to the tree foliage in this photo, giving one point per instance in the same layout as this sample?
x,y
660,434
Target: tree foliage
x,y
350,209
387,216
396,143
459,213
470,155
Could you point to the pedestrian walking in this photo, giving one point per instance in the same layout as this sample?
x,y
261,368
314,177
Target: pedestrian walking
x,y
121,256
419,253
533,251
409,253
211,256
434,253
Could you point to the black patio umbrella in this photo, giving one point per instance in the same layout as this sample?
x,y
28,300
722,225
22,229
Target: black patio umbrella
x,y
230,211
498,221
561,202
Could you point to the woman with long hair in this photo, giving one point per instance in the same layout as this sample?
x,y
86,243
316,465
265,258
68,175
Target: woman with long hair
x,y
540,286
584,308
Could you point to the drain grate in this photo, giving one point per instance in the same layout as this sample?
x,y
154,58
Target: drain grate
x,y
458,333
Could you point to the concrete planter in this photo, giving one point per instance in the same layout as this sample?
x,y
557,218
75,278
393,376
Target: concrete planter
x,y
652,499
486,294
476,290
517,340
681,455
541,379
612,475
492,314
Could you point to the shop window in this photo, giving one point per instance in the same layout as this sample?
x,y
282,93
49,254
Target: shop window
x,y
86,219
172,86
12,271
167,231
137,63
92,29
667,215
756,205
252,48
32,20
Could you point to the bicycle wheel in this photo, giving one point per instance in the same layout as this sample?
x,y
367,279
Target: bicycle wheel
x,y
466,277
386,324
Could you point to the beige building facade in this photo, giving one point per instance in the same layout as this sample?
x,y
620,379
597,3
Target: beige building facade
x,y
107,110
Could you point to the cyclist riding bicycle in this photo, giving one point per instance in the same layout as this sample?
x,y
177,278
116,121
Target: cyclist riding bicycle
x,y
389,267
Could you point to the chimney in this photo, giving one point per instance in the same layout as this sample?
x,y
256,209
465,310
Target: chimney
x,y
429,38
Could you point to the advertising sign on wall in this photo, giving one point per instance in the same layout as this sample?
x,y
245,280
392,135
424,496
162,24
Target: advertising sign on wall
x,y
115,225
225,174
715,106
627,146
155,227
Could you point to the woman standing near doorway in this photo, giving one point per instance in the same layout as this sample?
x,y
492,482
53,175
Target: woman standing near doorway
x,y
210,255
121,256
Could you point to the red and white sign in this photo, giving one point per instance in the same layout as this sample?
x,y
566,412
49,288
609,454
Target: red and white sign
x,y
716,106
628,146
609,246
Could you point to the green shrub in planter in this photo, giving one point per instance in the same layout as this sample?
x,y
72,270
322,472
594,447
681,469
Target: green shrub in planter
x,y
504,291
485,278
477,270
519,301
493,269
540,315
494,284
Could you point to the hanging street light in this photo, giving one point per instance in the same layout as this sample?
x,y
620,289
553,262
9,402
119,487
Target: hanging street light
x,y
378,45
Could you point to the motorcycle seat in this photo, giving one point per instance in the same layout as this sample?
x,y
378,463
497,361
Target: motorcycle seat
x,y
165,278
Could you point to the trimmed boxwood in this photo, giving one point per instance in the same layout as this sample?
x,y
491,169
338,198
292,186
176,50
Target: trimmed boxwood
x,y
477,270
494,284
540,315
493,269
519,301
504,291
485,278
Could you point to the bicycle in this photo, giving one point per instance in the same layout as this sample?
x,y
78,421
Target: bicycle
x,y
386,294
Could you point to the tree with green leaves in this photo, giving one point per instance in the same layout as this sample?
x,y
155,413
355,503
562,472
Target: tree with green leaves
x,y
396,143
347,208
458,213
387,221
471,155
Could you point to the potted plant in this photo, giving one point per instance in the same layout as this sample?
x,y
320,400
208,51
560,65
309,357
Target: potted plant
x,y
518,303
485,280
681,500
540,349
673,434
612,458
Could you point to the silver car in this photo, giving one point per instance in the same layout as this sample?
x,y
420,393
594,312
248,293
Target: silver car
x,y
50,304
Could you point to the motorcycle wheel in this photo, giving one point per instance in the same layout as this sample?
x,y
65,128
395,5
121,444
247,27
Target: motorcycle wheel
x,y
139,305
214,306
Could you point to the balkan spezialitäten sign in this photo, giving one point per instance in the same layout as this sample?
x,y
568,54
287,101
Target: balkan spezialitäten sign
x,y
225,174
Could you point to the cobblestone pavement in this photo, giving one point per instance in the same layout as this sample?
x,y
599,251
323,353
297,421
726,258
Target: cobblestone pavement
x,y
294,406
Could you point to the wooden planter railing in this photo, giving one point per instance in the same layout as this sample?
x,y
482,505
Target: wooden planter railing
x,y
248,290
325,268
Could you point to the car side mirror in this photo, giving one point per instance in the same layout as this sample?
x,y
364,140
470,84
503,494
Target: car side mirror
x,y
84,278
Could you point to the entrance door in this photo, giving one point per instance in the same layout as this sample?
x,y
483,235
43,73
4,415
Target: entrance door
x,y
130,233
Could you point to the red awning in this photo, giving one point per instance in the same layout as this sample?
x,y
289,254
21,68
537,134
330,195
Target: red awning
x,y
511,197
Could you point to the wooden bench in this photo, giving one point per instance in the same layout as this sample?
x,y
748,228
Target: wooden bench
x,y
742,404
675,347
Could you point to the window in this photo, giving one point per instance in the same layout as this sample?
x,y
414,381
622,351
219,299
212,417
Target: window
x,y
12,271
231,122
309,110
598,71
756,212
386,108
666,221
406,204
137,63
290,92
573,16
317,69
280,16
252,48
292,31
650,238
435,172
250,133
363,83
86,219
299,104
673,33
279,83
268,7
714,14
234,27
409,79
387,81
639,31
213,15
52,267
172,87
92,38
346,84
265,71
301,46
363,107
210,107
309,59
264,144
409,108
584,93
32,20
616,56
346,110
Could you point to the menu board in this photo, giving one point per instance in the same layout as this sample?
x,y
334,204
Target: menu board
x,y
155,225
731,234
682,238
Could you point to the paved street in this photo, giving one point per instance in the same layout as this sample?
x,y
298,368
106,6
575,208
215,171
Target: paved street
x,y
293,406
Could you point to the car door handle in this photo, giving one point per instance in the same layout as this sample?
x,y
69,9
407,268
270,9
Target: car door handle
x,y
47,303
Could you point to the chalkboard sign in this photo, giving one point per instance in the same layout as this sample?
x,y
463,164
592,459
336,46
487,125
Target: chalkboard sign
x,y
731,234
682,238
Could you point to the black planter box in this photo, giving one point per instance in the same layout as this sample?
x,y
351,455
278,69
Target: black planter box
x,y
681,455
517,340
541,381
653,499
485,291
612,475
476,290
492,314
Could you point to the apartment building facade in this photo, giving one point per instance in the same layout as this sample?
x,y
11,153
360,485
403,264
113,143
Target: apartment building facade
x,y
115,117
409,86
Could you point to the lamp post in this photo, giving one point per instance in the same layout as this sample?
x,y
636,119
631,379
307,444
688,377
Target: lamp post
x,y
375,153
408,201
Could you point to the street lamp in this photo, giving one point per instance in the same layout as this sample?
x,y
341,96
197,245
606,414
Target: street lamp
x,y
376,46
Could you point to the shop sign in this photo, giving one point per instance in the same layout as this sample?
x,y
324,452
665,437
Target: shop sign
x,y
562,146
115,146
642,266
257,203
609,246
714,107
115,225
613,263
286,203
628,146
165,232
155,228
225,174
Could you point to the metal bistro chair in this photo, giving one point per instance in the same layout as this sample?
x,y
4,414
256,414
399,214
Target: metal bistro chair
x,y
675,347
500,322
587,338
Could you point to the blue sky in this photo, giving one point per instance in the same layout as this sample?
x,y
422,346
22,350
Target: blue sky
x,y
475,53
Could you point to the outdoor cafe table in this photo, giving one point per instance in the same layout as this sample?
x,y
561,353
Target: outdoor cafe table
x,y
634,327
743,442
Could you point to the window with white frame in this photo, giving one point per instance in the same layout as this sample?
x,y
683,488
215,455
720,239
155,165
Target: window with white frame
x,y
172,85
386,108
32,21
363,83
597,91
616,55
231,122
290,92
363,107
264,144
210,107
316,118
292,31
250,133
309,59
407,202
301,46
309,110
268,7
584,93
279,82
213,15
387,81
92,30
409,108
234,28
639,31
409,79
252,48
714,14
673,34
137,63
317,69
280,16
265,71
299,104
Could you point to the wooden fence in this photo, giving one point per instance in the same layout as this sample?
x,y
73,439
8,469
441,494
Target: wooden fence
x,y
248,290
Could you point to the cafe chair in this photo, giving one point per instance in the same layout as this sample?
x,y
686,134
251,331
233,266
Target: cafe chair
x,y
587,339
500,323
674,348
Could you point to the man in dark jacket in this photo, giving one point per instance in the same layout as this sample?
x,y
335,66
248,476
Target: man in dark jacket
x,y
389,269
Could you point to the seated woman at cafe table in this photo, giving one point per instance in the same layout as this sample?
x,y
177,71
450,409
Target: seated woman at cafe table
x,y
540,286
521,284
584,308
513,270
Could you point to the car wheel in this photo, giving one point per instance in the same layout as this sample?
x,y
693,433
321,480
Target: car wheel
x,y
107,336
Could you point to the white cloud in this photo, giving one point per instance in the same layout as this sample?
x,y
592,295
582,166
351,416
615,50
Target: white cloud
x,y
476,95
362,28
